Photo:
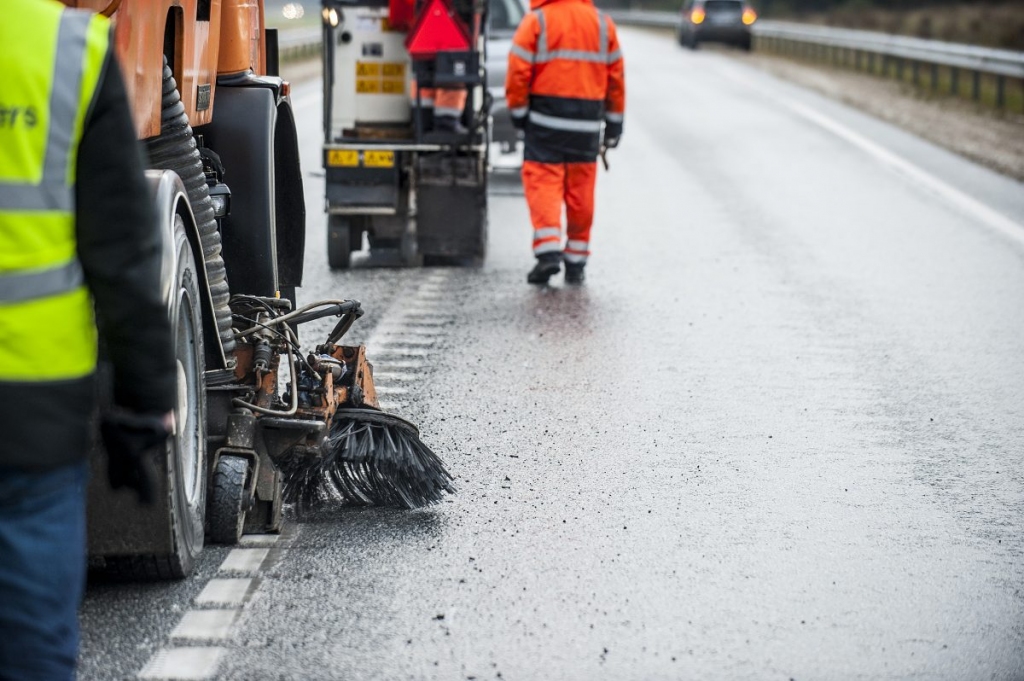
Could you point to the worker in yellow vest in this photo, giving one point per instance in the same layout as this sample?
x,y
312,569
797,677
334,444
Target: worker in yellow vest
x,y
78,237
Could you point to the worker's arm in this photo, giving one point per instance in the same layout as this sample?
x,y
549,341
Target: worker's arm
x,y
119,248
520,69
615,100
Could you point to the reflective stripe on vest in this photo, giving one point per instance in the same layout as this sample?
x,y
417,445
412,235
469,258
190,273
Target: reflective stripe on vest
x,y
53,193
46,323
544,55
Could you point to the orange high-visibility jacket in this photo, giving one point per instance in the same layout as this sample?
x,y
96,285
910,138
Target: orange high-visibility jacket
x,y
566,78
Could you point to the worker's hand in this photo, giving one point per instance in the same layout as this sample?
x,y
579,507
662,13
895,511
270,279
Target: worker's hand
x,y
133,441
612,134
519,122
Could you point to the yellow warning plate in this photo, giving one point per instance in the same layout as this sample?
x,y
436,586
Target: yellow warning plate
x,y
367,68
368,86
393,70
393,87
379,159
345,158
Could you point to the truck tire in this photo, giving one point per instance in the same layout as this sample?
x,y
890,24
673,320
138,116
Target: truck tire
x,y
339,242
355,234
186,463
227,508
175,149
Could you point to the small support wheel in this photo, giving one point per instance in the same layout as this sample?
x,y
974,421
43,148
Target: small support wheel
x,y
339,242
229,504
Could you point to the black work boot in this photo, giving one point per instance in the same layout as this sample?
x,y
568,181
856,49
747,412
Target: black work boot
x,y
574,273
449,124
547,266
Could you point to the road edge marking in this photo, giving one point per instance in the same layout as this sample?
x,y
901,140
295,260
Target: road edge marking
x,y
965,202
189,651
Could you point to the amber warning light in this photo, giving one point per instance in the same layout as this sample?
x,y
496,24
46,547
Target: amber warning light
x,y
749,16
697,15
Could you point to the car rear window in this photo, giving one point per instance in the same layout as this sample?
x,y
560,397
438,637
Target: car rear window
x,y
721,6
503,16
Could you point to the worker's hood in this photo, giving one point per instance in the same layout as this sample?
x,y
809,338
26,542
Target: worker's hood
x,y
537,4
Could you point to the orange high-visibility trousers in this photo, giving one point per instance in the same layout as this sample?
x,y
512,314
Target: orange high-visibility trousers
x,y
444,101
549,186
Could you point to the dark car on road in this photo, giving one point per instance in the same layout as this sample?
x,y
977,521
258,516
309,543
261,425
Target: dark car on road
x,y
720,21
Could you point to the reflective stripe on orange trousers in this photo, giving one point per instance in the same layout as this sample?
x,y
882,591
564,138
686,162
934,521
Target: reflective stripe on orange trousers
x,y
448,100
549,186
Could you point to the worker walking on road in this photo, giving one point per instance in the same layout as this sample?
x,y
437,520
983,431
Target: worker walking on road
x,y
565,82
77,233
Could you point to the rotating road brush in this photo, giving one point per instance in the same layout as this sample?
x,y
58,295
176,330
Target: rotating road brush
x,y
368,458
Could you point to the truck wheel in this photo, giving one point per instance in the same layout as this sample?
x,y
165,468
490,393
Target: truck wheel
x,y
186,450
339,242
227,510
355,233
187,470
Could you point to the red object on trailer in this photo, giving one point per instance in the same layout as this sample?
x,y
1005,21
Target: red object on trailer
x,y
437,29
401,14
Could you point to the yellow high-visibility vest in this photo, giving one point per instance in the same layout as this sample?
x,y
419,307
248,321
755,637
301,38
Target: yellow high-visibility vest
x,y
50,60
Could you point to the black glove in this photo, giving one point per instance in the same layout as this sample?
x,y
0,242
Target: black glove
x,y
519,122
612,134
131,441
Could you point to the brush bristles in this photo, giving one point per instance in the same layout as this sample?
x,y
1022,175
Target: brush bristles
x,y
367,459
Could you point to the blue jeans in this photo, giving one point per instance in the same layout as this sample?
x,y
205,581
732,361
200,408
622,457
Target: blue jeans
x,y
42,571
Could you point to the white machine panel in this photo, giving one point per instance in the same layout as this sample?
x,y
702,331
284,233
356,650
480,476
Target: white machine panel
x,y
372,72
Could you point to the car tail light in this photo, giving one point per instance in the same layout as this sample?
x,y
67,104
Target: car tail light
x,y
697,15
749,16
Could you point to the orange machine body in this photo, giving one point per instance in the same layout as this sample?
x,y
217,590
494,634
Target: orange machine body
x,y
201,39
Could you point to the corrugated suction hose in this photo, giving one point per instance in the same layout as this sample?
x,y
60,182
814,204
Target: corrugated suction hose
x,y
175,149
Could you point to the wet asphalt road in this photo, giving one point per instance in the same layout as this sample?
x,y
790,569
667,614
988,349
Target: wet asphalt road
x,y
776,435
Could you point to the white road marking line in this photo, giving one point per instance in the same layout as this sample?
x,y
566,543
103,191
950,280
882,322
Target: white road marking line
x,y
184,664
421,313
422,325
395,351
259,539
398,364
211,624
386,344
391,390
966,203
410,332
246,561
204,625
221,592
394,376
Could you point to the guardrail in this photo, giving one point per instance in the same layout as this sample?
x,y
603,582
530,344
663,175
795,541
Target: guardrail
x,y
879,53
874,52
296,44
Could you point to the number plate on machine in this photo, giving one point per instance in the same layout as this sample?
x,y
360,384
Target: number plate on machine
x,y
344,158
379,159
350,158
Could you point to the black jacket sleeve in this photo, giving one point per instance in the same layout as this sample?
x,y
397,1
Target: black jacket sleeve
x,y
119,248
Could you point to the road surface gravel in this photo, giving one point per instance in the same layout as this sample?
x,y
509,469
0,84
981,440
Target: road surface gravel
x,y
776,435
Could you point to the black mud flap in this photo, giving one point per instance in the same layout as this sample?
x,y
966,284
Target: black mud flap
x,y
451,207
